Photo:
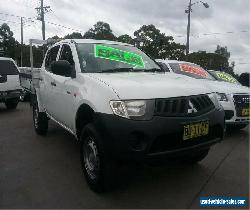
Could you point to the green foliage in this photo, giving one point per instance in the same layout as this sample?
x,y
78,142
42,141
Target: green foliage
x,y
74,35
126,39
8,42
12,48
222,51
101,30
209,60
157,44
244,79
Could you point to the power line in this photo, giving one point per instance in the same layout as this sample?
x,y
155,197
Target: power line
x,y
59,25
17,16
177,36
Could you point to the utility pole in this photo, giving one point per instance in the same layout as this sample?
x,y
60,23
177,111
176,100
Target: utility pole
x,y
188,25
41,12
21,41
188,11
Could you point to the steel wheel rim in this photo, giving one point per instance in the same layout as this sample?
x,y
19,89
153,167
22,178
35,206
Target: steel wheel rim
x,y
91,158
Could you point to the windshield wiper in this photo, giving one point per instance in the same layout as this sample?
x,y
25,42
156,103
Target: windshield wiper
x,y
116,70
149,70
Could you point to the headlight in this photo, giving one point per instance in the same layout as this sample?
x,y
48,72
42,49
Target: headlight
x,y
214,99
133,109
221,96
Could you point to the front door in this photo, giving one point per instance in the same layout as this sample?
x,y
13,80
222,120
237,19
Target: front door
x,y
64,92
47,85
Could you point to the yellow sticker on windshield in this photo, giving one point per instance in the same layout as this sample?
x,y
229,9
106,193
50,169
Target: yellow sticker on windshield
x,y
226,77
114,54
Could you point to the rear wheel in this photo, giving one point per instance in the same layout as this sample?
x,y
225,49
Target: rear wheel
x,y
97,166
11,104
195,157
40,121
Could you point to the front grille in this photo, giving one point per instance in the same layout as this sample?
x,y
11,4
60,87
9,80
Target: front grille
x,y
183,106
175,140
241,102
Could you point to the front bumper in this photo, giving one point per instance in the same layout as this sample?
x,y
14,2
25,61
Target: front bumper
x,y
139,140
9,95
231,115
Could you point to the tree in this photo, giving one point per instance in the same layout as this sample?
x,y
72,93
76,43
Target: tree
x,y
157,44
222,51
244,79
8,42
74,35
211,61
101,30
126,39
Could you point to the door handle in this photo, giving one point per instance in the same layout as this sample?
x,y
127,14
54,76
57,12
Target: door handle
x,y
53,83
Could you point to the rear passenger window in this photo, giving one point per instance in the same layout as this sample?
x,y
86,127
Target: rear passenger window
x,y
51,56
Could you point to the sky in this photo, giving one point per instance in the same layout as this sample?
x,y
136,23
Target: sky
x,y
225,22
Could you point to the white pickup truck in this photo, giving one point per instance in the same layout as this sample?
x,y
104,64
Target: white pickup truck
x,y
121,106
10,89
234,97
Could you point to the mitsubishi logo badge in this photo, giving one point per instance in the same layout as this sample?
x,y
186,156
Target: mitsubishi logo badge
x,y
191,108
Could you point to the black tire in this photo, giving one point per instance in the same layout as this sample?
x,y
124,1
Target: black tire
x,y
195,157
236,127
98,168
11,104
40,121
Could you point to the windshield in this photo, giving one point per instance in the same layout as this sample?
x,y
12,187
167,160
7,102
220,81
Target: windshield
x,y
222,76
191,70
7,67
96,58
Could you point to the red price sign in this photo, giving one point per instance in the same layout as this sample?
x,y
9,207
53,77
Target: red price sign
x,y
193,70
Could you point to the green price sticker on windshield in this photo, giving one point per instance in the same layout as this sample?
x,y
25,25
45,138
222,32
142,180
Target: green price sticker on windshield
x,y
114,54
226,77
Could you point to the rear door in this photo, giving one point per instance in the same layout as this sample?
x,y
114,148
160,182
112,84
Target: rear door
x,y
9,76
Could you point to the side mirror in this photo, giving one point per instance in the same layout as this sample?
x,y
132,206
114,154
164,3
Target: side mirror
x,y
62,68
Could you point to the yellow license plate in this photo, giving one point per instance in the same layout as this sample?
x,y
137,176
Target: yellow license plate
x,y
245,112
195,130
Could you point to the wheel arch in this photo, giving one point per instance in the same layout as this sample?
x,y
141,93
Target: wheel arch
x,y
84,115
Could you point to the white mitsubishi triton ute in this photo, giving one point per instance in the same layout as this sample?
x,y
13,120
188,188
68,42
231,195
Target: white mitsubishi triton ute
x,y
122,107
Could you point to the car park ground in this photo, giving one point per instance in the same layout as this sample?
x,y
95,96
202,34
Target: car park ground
x,y
45,172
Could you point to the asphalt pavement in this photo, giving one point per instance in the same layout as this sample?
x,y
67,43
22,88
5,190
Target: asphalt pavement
x,y
45,172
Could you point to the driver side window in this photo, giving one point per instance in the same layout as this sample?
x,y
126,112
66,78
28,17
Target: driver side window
x,y
66,54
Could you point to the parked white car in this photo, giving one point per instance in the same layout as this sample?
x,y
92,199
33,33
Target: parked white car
x,y
10,88
234,97
121,106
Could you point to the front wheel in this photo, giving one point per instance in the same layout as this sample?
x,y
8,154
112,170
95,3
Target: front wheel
x,y
40,121
97,166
